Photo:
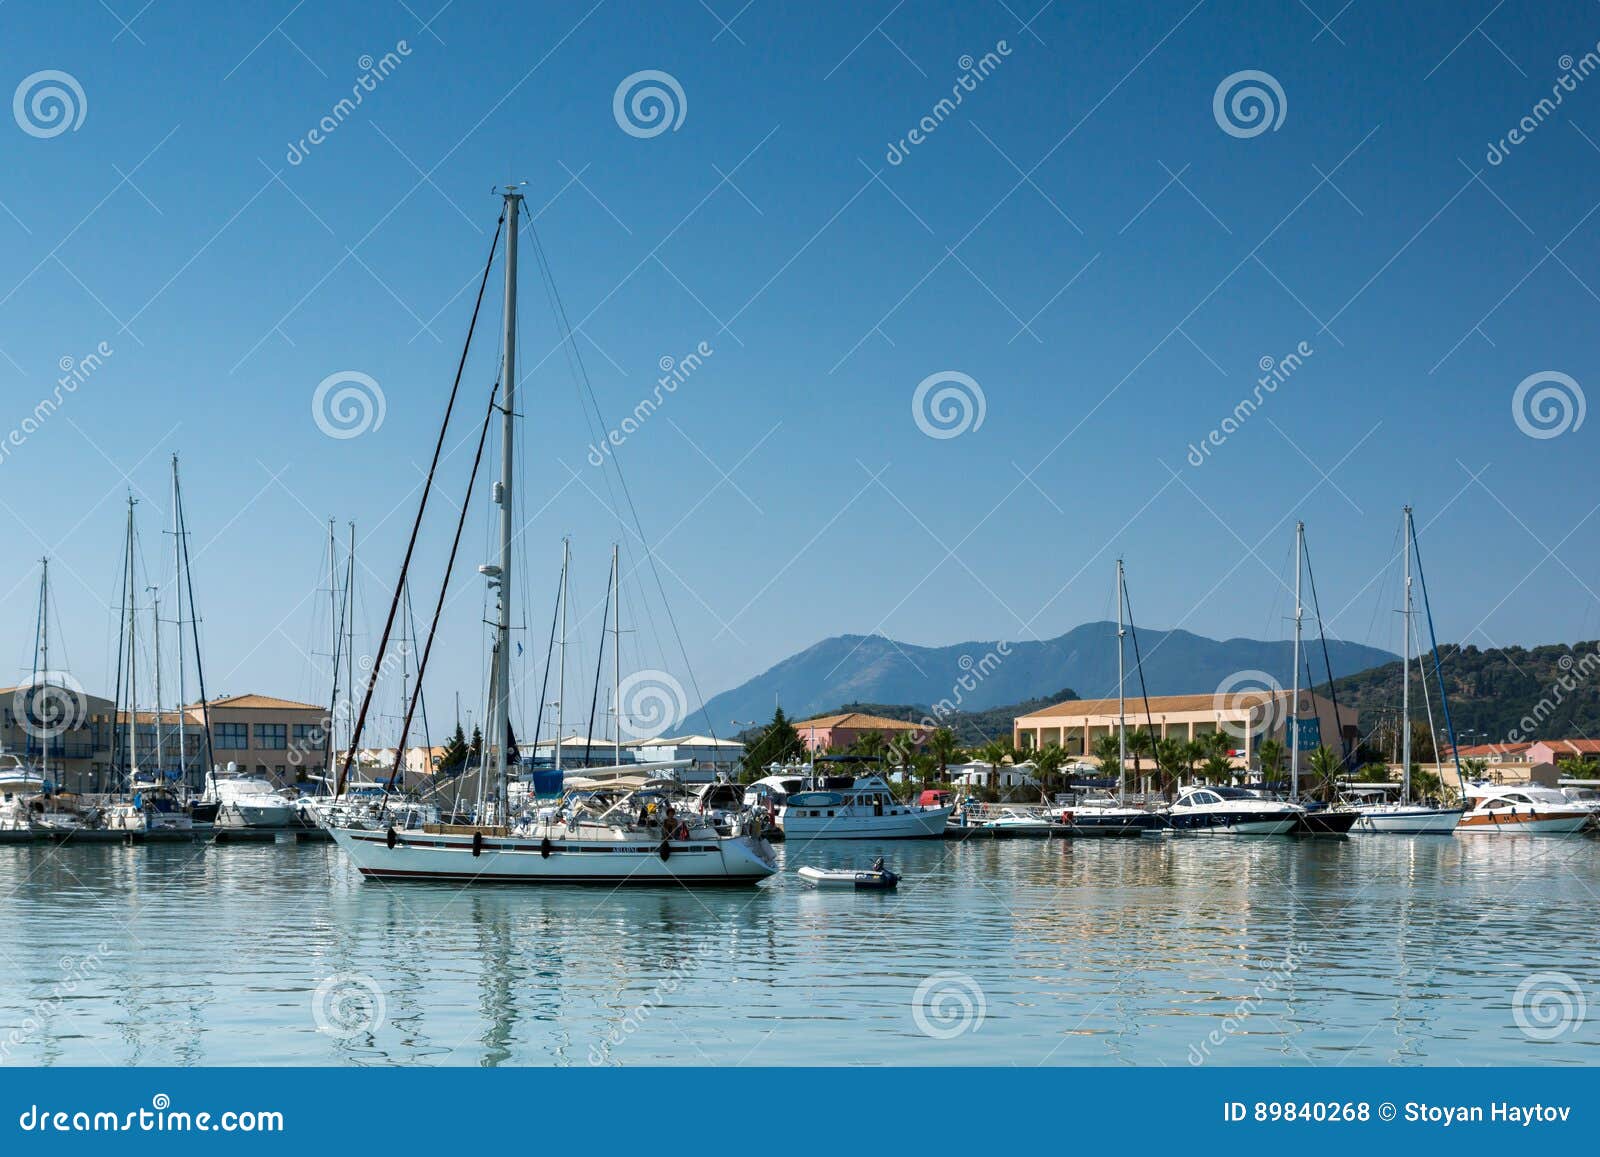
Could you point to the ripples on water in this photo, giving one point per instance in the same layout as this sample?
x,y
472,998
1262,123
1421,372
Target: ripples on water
x,y
1089,952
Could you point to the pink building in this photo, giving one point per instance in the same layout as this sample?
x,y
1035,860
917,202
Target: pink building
x,y
841,731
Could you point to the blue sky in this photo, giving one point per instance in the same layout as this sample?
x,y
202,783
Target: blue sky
x,y
1080,237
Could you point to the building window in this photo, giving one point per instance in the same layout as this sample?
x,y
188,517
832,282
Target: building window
x,y
230,737
272,736
308,734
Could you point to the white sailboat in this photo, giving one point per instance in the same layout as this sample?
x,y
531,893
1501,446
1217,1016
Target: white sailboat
x,y
613,837
150,807
1405,817
1101,812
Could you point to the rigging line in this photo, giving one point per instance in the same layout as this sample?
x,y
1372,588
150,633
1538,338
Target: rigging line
x,y
599,665
444,586
416,526
1438,669
549,654
626,493
1327,663
122,648
1138,666
194,626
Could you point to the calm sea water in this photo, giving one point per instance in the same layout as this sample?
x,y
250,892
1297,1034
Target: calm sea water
x,y
1368,950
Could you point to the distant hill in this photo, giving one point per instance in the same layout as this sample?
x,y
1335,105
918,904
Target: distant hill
x,y
979,676
1491,691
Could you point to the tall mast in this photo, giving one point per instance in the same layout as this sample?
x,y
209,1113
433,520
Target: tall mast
x,y
616,658
1294,695
334,637
133,653
1405,669
155,646
561,669
350,627
500,738
1122,717
177,583
42,659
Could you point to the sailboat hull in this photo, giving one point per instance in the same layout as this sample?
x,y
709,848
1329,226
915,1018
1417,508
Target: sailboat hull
x,y
724,860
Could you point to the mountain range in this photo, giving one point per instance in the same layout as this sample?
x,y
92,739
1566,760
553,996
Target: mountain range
x,y
978,675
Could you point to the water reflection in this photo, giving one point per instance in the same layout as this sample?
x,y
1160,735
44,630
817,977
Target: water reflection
x,y
1365,950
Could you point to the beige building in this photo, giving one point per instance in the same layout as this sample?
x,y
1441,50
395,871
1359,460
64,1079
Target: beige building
x,y
279,738
1247,716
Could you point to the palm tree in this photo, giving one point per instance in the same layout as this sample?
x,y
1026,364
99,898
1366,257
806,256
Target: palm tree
x,y
1047,764
1270,753
994,753
1216,768
942,746
1140,742
1108,753
1170,759
1194,752
870,744
1325,766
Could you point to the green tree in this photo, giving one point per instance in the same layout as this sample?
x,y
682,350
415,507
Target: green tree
x,y
475,750
1108,753
1270,753
1047,764
777,742
870,744
1170,761
1325,767
454,756
1140,744
1216,769
942,746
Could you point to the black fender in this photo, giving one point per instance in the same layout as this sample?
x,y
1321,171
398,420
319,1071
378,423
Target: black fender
x,y
666,850
391,838
544,847
477,843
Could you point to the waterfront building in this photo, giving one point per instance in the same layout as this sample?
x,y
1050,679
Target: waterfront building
x,y
707,755
846,729
1247,716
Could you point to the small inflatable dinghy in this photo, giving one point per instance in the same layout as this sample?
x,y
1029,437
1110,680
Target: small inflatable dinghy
x,y
874,879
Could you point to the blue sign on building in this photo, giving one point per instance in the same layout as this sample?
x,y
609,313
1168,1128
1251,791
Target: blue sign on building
x,y
1310,733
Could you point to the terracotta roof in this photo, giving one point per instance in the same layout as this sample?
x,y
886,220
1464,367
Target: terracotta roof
x,y
858,721
266,702
1574,746
1135,706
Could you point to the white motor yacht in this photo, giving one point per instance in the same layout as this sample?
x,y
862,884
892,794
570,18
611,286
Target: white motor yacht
x,y
1230,811
249,801
1523,810
858,808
